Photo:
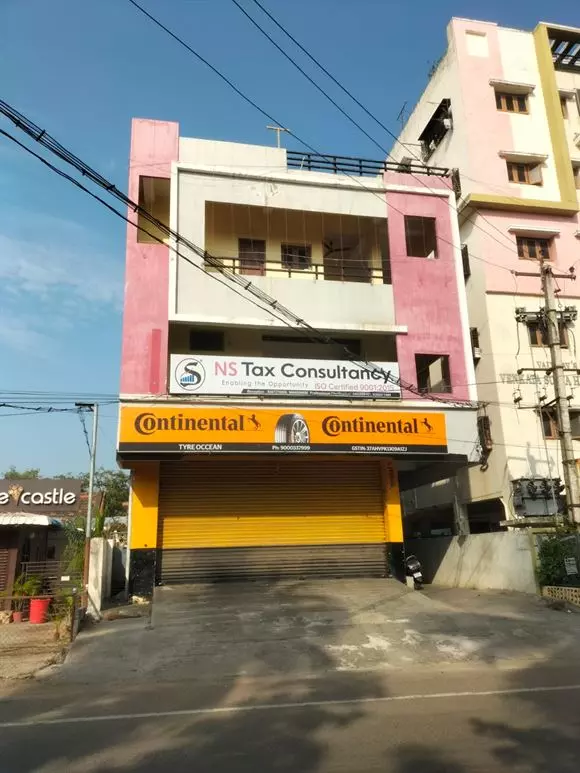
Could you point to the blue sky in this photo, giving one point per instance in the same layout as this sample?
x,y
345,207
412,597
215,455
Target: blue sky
x,y
82,71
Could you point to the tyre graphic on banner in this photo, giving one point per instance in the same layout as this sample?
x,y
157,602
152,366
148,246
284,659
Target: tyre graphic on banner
x,y
292,429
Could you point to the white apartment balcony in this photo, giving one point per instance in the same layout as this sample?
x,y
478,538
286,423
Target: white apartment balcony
x,y
332,269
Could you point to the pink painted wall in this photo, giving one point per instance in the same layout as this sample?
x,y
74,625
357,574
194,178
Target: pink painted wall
x,y
154,145
488,129
425,291
495,248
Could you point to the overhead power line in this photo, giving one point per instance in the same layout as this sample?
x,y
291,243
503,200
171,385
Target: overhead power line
x,y
267,115
311,80
379,145
272,306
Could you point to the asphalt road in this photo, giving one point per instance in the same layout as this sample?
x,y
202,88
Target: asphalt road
x,y
451,720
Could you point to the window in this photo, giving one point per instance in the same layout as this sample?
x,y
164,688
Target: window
x,y
296,256
530,248
576,173
252,256
206,340
550,424
433,373
475,347
465,261
564,106
436,128
524,173
344,259
538,333
154,198
421,237
511,103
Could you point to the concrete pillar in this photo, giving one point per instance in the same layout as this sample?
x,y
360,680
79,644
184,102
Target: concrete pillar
x,y
100,568
143,532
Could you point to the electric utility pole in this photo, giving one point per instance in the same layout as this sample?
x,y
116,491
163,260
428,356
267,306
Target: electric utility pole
x,y
562,405
551,317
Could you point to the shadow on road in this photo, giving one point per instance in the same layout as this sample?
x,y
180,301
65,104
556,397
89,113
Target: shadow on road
x,y
534,732
247,740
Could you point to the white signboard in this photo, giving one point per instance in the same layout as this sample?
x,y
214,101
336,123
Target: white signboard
x,y
571,566
221,375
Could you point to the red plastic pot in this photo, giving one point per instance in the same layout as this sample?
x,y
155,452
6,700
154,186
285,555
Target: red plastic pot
x,y
38,610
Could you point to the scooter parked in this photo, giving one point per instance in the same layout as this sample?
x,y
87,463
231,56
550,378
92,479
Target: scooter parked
x,y
414,570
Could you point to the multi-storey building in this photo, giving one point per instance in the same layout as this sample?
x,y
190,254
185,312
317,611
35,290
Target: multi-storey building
x,y
502,107
260,447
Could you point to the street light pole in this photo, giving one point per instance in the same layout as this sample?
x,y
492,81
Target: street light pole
x,y
94,407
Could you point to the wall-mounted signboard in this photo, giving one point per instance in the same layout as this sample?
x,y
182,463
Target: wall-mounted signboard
x,y
269,376
189,429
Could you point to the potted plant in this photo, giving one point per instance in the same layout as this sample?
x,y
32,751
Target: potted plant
x,y
22,588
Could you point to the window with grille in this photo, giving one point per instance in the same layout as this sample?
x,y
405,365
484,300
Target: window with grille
x,y
421,237
296,256
530,248
511,103
252,256
551,427
538,333
524,173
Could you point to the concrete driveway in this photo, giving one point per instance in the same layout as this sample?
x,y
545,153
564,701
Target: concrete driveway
x,y
308,628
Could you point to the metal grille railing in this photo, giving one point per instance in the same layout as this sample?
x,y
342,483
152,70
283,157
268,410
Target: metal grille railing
x,y
54,575
336,272
361,167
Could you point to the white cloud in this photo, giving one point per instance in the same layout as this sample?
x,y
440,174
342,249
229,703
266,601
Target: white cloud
x,y
23,334
40,268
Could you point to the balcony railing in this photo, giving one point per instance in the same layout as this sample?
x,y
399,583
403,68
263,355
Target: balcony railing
x,y
362,167
335,272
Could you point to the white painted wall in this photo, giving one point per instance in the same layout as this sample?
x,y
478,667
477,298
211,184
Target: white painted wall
x,y
520,449
453,150
100,574
531,133
499,561
570,82
231,154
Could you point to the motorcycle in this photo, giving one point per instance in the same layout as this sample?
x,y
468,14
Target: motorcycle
x,y
414,570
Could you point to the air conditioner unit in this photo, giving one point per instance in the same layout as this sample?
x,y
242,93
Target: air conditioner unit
x,y
447,123
476,353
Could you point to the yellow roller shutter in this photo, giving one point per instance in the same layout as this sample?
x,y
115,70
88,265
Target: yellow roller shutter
x,y
220,503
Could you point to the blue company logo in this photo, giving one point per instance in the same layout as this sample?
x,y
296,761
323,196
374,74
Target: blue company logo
x,y
190,374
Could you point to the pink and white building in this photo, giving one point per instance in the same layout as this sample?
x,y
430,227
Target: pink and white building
x,y
502,107
367,255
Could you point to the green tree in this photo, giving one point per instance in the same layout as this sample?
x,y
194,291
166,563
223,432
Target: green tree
x,y
13,474
114,485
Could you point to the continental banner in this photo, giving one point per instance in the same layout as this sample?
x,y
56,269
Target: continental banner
x,y
174,429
